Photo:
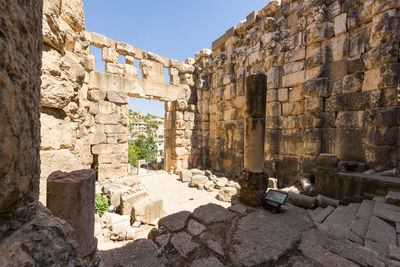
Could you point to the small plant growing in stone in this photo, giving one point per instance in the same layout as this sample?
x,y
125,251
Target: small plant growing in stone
x,y
100,204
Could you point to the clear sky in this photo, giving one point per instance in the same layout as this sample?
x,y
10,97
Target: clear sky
x,y
175,29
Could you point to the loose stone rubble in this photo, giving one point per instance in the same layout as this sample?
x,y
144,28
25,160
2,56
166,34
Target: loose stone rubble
x,y
207,180
130,203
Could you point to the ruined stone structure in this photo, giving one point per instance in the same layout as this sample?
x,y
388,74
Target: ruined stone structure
x,y
84,112
29,234
332,76
332,71
332,68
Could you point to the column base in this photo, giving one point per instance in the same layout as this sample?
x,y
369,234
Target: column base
x,y
253,186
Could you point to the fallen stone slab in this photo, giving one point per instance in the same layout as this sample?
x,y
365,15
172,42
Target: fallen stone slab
x,y
263,237
332,219
360,224
321,216
340,246
345,220
381,232
323,256
174,222
212,213
387,212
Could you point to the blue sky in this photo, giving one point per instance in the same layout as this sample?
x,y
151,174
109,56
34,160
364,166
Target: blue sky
x,y
175,29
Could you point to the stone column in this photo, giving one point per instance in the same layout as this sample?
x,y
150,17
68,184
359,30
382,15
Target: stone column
x,y
253,179
70,196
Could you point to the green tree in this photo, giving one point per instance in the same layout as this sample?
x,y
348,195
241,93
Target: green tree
x,y
145,148
132,156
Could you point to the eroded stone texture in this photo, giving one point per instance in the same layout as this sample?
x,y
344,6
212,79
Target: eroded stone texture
x,y
43,241
263,237
330,82
70,196
141,252
20,85
29,234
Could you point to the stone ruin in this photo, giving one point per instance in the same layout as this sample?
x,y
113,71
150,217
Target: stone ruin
x,y
330,76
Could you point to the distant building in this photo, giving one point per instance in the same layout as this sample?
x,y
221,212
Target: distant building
x,y
139,126
159,139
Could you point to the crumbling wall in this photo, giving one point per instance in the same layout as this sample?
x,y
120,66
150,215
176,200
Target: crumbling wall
x,y
29,234
65,122
84,113
333,72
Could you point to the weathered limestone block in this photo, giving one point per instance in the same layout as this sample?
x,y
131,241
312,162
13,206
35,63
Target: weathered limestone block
x,y
72,13
198,180
129,200
100,40
97,95
56,90
70,196
292,108
294,79
119,97
148,210
106,118
62,160
130,71
115,68
152,70
125,50
185,176
385,76
107,171
225,194
55,133
52,35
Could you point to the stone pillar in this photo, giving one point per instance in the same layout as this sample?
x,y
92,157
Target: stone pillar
x,y
70,196
253,179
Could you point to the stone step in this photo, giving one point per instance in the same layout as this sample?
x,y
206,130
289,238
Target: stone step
x,y
346,218
380,236
360,223
315,212
321,216
387,212
332,219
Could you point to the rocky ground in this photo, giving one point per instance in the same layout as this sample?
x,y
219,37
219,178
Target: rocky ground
x,y
114,230
200,230
245,236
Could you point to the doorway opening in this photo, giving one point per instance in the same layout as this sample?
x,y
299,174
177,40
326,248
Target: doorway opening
x,y
146,145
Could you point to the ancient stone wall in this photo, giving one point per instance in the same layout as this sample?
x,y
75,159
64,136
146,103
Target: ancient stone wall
x,y
29,234
84,113
19,117
333,72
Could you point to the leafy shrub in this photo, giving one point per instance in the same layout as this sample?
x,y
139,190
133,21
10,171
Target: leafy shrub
x,y
100,204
